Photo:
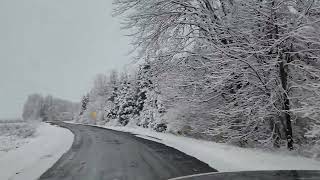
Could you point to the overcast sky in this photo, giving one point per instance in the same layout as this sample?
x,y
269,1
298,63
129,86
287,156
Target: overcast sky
x,y
55,47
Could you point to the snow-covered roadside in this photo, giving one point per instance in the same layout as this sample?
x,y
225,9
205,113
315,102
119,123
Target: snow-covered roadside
x,y
7,143
33,158
226,158
15,134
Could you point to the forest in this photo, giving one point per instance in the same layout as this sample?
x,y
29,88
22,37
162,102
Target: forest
x,y
242,72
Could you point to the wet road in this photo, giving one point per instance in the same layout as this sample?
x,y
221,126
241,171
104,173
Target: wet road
x,y
257,175
100,154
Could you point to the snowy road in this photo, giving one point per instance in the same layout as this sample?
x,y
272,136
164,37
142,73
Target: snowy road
x,y
100,154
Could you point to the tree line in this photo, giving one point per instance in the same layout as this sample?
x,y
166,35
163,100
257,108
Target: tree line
x,y
245,72
49,108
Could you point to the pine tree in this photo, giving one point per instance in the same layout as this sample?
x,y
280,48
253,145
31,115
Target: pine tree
x,y
84,103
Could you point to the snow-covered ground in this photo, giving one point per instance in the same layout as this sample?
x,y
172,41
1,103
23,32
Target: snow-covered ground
x,y
14,134
224,157
35,154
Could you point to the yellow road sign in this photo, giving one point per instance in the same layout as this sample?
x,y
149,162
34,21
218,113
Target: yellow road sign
x,y
93,115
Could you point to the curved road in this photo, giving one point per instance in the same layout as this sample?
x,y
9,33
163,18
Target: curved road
x,y
101,154
257,175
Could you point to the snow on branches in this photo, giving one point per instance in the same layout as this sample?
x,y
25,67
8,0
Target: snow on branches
x,y
252,65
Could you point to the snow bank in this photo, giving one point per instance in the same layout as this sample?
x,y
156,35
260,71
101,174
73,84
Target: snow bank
x,y
32,159
226,158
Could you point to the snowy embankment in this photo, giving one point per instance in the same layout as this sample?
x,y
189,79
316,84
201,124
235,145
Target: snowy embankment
x,y
36,154
226,158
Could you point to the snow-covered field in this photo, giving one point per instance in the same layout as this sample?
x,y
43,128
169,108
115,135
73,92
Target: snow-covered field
x,y
224,157
15,134
27,157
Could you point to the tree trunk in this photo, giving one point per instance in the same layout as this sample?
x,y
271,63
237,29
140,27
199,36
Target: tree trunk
x,y
285,117
284,58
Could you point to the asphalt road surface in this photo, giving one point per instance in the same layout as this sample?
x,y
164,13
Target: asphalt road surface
x,y
100,154
257,175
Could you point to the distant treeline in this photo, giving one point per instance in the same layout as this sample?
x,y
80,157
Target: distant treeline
x,y
49,108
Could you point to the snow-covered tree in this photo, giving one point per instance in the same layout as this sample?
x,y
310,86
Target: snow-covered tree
x,y
84,103
31,109
248,64
48,108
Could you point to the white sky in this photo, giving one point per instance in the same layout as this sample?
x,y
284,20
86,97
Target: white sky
x,y
56,47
